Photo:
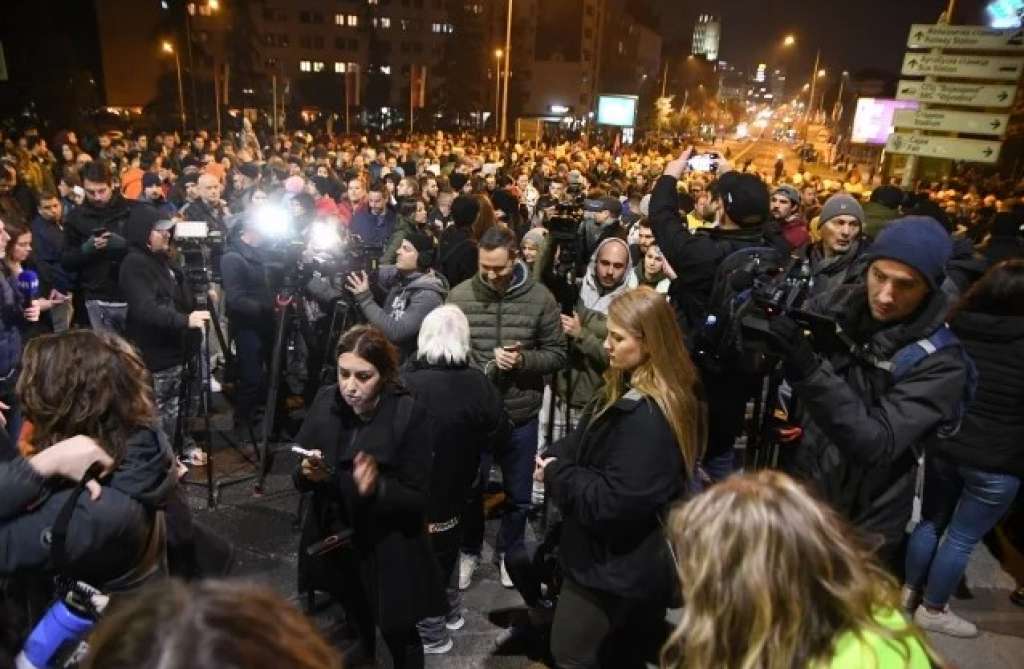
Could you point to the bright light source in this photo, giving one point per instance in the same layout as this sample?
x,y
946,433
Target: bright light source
x,y
498,53
167,47
559,109
273,221
1005,13
789,41
214,5
324,237
821,73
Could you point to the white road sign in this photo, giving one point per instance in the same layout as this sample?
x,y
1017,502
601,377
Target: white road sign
x,y
970,150
967,67
965,95
975,123
923,36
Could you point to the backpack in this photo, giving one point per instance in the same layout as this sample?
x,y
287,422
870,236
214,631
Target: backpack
x,y
718,342
905,359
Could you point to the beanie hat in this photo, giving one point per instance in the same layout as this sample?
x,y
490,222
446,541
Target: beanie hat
x,y
745,198
917,241
535,236
149,179
465,209
888,196
841,204
424,245
791,193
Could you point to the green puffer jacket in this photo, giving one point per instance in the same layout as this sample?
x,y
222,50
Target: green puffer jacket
x,y
526,313
587,359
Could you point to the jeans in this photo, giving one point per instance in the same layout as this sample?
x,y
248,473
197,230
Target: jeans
x,y
445,546
107,316
517,462
253,350
963,502
167,394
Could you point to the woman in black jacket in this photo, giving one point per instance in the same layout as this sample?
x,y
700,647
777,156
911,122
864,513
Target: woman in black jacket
x,y
972,478
365,539
633,454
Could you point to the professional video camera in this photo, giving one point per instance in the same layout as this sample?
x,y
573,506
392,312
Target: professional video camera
x,y
199,248
564,229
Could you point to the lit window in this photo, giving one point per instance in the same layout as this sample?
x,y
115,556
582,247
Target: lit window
x,y
371,2
385,22
385,69
318,66
436,27
339,19
339,68
305,66
353,20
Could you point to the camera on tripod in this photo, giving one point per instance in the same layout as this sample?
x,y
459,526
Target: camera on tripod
x,y
199,247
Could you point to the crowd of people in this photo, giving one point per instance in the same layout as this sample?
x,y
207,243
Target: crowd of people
x,y
595,322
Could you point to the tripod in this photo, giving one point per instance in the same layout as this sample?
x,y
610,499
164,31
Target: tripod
x,y
197,368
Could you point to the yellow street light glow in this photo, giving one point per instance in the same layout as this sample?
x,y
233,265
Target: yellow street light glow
x,y
214,5
821,73
789,41
167,47
498,53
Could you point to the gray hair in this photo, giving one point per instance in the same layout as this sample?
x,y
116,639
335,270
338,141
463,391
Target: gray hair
x,y
444,336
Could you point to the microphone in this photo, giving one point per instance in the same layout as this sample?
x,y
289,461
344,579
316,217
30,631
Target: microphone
x,y
28,284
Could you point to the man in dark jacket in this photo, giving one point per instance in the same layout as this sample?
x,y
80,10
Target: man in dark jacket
x,y
517,338
862,428
249,304
374,224
833,260
160,311
48,246
458,252
94,246
209,207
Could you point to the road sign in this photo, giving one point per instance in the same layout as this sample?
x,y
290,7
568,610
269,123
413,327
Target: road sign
x,y
966,95
965,67
975,123
970,150
923,36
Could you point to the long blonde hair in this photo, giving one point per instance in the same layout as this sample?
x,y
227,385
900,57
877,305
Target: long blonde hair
x,y
666,375
770,579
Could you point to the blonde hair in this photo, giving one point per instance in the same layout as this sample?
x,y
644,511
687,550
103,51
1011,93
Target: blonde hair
x,y
771,578
666,375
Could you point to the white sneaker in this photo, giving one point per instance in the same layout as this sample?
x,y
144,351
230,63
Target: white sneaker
x,y
455,622
945,622
438,647
215,385
467,565
506,580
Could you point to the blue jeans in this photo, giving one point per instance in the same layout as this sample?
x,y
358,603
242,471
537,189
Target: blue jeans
x,y
963,502
107,316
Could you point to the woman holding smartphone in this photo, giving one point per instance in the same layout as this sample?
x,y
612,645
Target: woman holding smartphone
x,y
365,539
632,455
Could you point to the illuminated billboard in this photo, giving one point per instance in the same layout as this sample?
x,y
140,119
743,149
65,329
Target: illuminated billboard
x,y
617,110
873,122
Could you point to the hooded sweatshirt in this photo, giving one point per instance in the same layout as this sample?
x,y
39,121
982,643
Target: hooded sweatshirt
x,y
410,298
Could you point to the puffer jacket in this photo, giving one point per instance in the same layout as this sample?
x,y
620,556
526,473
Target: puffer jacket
x,y
107,538
991,436
526,313
410,298
861,430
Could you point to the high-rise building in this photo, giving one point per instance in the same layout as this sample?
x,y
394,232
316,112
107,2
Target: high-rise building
x,y
707,33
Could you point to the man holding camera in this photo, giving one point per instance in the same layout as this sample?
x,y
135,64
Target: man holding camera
x,y
160,313
414,290
865,409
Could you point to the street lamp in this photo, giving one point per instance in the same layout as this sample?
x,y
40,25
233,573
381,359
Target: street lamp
x,y
498,53
169,48
789,41
821,74
508,57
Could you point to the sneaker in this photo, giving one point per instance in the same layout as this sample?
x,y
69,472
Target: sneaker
x,y
438,647
506,580
215,386
910,599
467,565
455,621
945,622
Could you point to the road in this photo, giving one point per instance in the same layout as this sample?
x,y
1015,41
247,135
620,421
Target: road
x,y
762,152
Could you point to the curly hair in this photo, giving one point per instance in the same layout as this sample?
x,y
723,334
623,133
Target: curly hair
x,y
85,382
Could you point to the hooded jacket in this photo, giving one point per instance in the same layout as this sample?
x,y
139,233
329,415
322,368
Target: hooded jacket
x,y
121,532
526,313
247,296
98,269
587,358
410,298
158,300
862,431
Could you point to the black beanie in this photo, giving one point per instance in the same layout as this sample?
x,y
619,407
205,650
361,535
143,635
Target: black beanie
x,y
424,245
465,209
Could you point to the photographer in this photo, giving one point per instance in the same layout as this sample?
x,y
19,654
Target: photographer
x,y
600,222
864,415
160,314
249,305
414,290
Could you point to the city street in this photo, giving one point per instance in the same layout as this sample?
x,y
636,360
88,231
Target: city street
x,y
261,529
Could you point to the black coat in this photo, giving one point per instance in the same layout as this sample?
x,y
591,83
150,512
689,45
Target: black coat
x,y
991,436
457,255
395,564
97,270
696,257
158,306
467,409
614,481
248,300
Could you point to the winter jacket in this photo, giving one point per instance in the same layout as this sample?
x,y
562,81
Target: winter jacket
x,y
247,296
403,228
12,319
861,431
97,270
829,273
526,313
695,257
158,303
457,255
614,480
794,231
389,543
373,230
964,266
410,298
47,247
991,436
476,422
107,538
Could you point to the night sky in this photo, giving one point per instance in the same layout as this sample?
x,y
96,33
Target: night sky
x,y
852,34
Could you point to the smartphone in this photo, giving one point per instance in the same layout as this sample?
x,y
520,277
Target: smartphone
x,y
704,162
512,348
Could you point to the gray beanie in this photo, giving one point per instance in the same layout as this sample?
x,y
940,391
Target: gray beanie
x,y
841,204
791,193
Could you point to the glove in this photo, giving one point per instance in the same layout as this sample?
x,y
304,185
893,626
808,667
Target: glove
x,y
787,338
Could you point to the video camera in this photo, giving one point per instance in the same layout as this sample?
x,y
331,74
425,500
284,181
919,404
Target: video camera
x,y
200,249
564,229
